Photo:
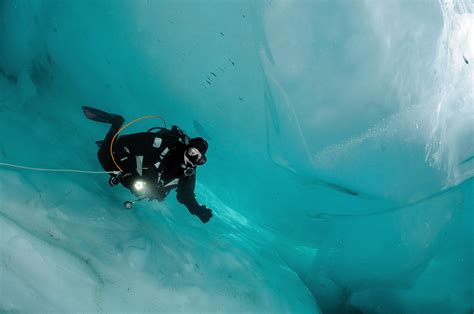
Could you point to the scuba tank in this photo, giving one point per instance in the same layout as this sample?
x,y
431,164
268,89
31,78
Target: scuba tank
x,y
175,133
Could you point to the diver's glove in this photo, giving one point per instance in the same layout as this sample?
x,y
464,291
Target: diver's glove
x,y
204,213
118,178
115,179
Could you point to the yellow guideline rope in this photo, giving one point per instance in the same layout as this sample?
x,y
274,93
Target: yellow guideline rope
x,y
54,170
126,126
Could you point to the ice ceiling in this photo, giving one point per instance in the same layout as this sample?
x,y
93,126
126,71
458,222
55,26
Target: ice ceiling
x,y
340,163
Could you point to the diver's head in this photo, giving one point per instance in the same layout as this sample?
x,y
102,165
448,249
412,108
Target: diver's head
x,y
196,151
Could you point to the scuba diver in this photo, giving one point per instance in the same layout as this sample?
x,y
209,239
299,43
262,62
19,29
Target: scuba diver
x,y
151,164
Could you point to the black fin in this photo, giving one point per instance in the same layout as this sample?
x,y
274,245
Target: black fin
x,y
99,115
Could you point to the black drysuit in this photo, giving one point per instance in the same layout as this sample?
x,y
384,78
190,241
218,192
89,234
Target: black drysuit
x,y
139,156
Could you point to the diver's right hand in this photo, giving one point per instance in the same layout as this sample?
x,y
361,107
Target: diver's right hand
x,y
115,179
119,178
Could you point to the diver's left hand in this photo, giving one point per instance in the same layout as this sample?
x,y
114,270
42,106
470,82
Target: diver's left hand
x,y
205,214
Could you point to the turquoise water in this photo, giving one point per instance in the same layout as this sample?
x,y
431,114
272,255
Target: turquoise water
x,y
340,160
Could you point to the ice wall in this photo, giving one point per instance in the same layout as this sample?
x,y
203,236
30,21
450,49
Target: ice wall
x,y
341,145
